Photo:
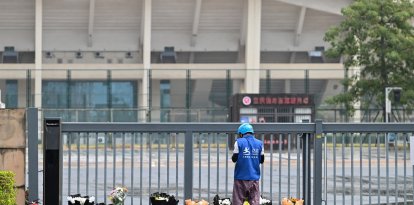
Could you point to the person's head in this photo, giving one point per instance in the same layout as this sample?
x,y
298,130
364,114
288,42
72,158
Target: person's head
x,y
245,128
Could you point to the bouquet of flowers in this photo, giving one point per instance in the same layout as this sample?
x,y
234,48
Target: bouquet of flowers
x,y
292,201
118,195
191,202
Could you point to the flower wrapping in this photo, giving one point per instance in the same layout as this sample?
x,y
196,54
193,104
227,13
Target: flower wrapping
x,y
191,202
292,201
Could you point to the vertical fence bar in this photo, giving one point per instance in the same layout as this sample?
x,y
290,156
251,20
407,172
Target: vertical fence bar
x,y
343,168
262,170
387,166
105,163
369,169
141,152
96,165
69,161
168,161
208,164
33,152
271,167
396,168
280,167
352,168
317,176
78,164
288,178
123,159
188,165
159,162
378,167
218,161
150,162
227,164
334,165
133,135
199,167
405,170
114,160
325,168
176,165
360,169
87,164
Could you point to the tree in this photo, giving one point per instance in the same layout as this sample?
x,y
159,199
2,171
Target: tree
x,y
378,37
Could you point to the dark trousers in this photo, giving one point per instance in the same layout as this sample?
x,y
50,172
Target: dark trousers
x,y
243,189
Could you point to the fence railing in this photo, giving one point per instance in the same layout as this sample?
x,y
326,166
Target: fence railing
x,y
347,163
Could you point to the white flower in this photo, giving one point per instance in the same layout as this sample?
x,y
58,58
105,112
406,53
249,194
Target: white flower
x,y
264,201
224,202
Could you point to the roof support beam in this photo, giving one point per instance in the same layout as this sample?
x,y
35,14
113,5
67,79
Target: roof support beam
x,y
299,26
91,22
196,22
328,6
38,52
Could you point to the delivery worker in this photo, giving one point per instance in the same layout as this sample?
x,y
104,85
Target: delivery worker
x,y
248,154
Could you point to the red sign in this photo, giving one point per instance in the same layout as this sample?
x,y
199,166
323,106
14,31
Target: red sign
x,y
247,100
280,100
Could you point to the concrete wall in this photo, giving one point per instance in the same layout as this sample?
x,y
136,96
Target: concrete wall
x,y
13,147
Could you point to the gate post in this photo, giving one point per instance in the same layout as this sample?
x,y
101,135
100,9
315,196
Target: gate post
x,y
33,153
317,166
52,162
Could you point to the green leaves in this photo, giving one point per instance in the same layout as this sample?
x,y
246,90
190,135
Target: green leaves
x,y
7,191
378,37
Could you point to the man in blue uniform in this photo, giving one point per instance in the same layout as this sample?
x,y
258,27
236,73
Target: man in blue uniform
x,y
248,154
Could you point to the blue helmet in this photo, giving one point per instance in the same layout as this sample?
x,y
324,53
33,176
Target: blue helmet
x,y
245,128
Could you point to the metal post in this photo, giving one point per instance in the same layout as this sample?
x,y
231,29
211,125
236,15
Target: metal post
x,y
306,185
388,101
52,152
317,166
188,165
32,139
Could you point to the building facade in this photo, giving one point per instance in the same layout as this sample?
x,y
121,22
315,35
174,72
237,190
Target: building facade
x,y
164,61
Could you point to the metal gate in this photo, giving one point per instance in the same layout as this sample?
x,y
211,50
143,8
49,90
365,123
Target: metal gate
x,y
347,163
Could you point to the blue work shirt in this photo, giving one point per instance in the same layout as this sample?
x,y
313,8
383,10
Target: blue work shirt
x,y
249,150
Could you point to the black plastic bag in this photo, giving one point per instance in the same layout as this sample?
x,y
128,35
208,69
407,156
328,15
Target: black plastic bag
x,y
219,201
73,201
166,199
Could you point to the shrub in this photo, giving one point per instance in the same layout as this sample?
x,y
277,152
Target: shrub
x,y
7,190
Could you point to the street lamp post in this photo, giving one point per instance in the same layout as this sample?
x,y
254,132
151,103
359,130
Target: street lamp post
x,y
388,101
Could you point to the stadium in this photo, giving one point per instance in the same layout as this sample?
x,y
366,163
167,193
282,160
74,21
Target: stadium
x,y
165,61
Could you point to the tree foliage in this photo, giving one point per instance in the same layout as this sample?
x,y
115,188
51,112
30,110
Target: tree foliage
x,y
7,190
378,37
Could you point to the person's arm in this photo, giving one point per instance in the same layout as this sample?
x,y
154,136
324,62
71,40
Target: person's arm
x,y
262,155
261,159
235,152
234,157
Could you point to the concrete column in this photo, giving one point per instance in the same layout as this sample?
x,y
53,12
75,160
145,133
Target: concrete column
x,y
253,34
38,53
146,53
